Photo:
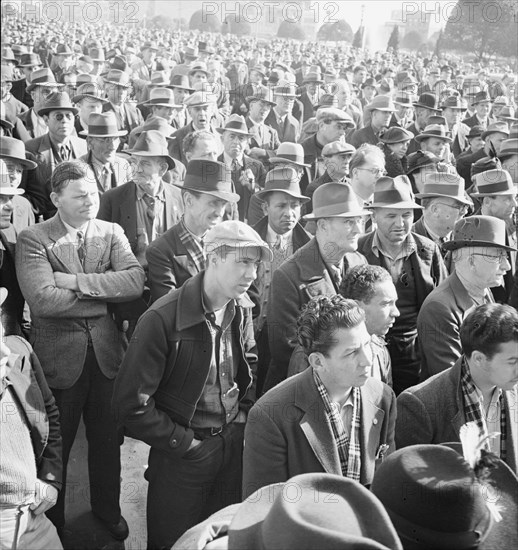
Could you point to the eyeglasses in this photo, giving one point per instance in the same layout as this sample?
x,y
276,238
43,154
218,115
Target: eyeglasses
x,y
375,171
462,208
492,259
61,116
358,220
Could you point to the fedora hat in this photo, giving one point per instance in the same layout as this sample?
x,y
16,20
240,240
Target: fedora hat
x,y
484,231
200,98
149,46
404,98
9,125
152,143
30,60
8,55
180,81
284,180
441,506
14,149
442,184
236,124
64,50
496,128
508,148
211,178
455,102
102,125
396,134
329,511
369,83
433,130
43,77
286,89
261,93
386,86
475,131
118,78
482,97
190,52
282,65
156,123
259,69
89,91
494,182
292,153
97,54
199,67
57,101
427,101
381,103
507,114
313,76
158,79
120,63
394,193
326,100
501,100
85,78
161,97
335,200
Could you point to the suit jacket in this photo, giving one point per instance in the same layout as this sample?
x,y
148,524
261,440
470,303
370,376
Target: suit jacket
x,y
268,142
64,321
19,91
12,309
129,118
289,130
170,263
121,171
361,136
464,165
433,412
420,228
473,121
119,205
312,156
37,182
301,277
438,325
309,109
287,433
26,120
28,383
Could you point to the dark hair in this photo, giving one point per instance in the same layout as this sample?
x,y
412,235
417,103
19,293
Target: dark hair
x,y
488,326
359,282
70,170
321,317
190,140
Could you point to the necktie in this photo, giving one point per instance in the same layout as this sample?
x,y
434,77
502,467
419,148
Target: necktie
x,y
81,247
105,178
337,275
64,152
234,166
151,206
277,243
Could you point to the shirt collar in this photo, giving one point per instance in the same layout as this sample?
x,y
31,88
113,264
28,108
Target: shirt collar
x,y
72,231
159,194
435,237
228,160
271,237
409,246
99,165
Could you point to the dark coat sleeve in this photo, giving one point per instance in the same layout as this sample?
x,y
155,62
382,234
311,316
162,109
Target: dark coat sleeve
x,y
161,275
414,425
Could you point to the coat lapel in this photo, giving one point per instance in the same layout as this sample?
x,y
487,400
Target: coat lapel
x,y
63,250
95,247
128,211
371,422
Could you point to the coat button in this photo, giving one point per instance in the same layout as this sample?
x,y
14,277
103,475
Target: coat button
x,y
174,442
375,421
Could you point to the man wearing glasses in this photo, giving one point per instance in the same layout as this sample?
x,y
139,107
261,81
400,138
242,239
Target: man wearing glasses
x,y
479,252
51,149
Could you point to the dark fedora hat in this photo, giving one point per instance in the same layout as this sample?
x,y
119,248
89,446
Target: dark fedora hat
x,y
494,183
156,123
482,97
482,231
313,76
434,130
64,50
57,101
118,78
496,128
284,180
404,98
97,54
89,91
43,77
102,125
326,100
431,495
180,81
369,83
261,93
30,60
455,102
236,124
152,143
396,134
336,200
427,101
475,131
211,178
443,184
508,148
14,149
394,193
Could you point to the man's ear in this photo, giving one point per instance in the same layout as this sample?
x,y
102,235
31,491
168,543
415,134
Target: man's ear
x,y
316,360
264,206
54,197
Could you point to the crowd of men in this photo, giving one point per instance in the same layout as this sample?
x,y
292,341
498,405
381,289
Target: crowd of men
x,y
271,262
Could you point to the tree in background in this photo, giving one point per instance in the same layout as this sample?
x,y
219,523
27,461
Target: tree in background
x,y
484,27
394,39
204,22
438,44
358,38
240,27
336,32
412,40
291,30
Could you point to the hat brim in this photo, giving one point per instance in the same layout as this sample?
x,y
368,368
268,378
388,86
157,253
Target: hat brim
x,y
482,101
264,192
171,86
282,159
119,133
436,109
421,137
229,197
433,195
489,132
399,205
234,131
251,98
31,86
499,194
289,96
80,97
11,60
47,110
455,245
150,103
170,161
117,83
11,191
26,163
353,214
30,65
192,71
312,82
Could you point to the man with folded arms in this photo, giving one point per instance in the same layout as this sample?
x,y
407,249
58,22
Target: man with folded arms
x,y
191,400
479,253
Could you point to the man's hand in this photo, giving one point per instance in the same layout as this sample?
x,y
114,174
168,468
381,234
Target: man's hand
x,y
247,180
45,496
66,281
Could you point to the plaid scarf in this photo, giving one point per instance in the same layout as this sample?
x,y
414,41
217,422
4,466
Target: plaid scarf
x,y
193,246
348,446
473,409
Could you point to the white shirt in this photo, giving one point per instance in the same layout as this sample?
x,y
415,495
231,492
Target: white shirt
x,y
71,235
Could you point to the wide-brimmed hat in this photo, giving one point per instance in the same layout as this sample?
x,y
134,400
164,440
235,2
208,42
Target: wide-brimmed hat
x,y
14,149
290,152
314,77
381,103
336,200
30,60
286,89
442,505
211,178
97,54
43,77
199,67
310,511
180,81
161,97
420,159
483,231
326,100
85,78
64,50
396,134
482,97
284,180
150,45
200,98
158,79
156,123
338,147
152,143
455,102
118,78
496,128
501,100
475,131
404,98
191,52
56,101
204,48
507,114
102,125
261,93
394,193
443,184
236,124
427,101
8,55
89,91
508,148
259,69
433,130
494,182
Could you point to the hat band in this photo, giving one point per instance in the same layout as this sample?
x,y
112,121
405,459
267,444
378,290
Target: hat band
x,y
390,197
495,187
443,189
161,101
234,125
340,209
102,129
293,158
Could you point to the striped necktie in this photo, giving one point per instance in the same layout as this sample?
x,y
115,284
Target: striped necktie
x,y
81,247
